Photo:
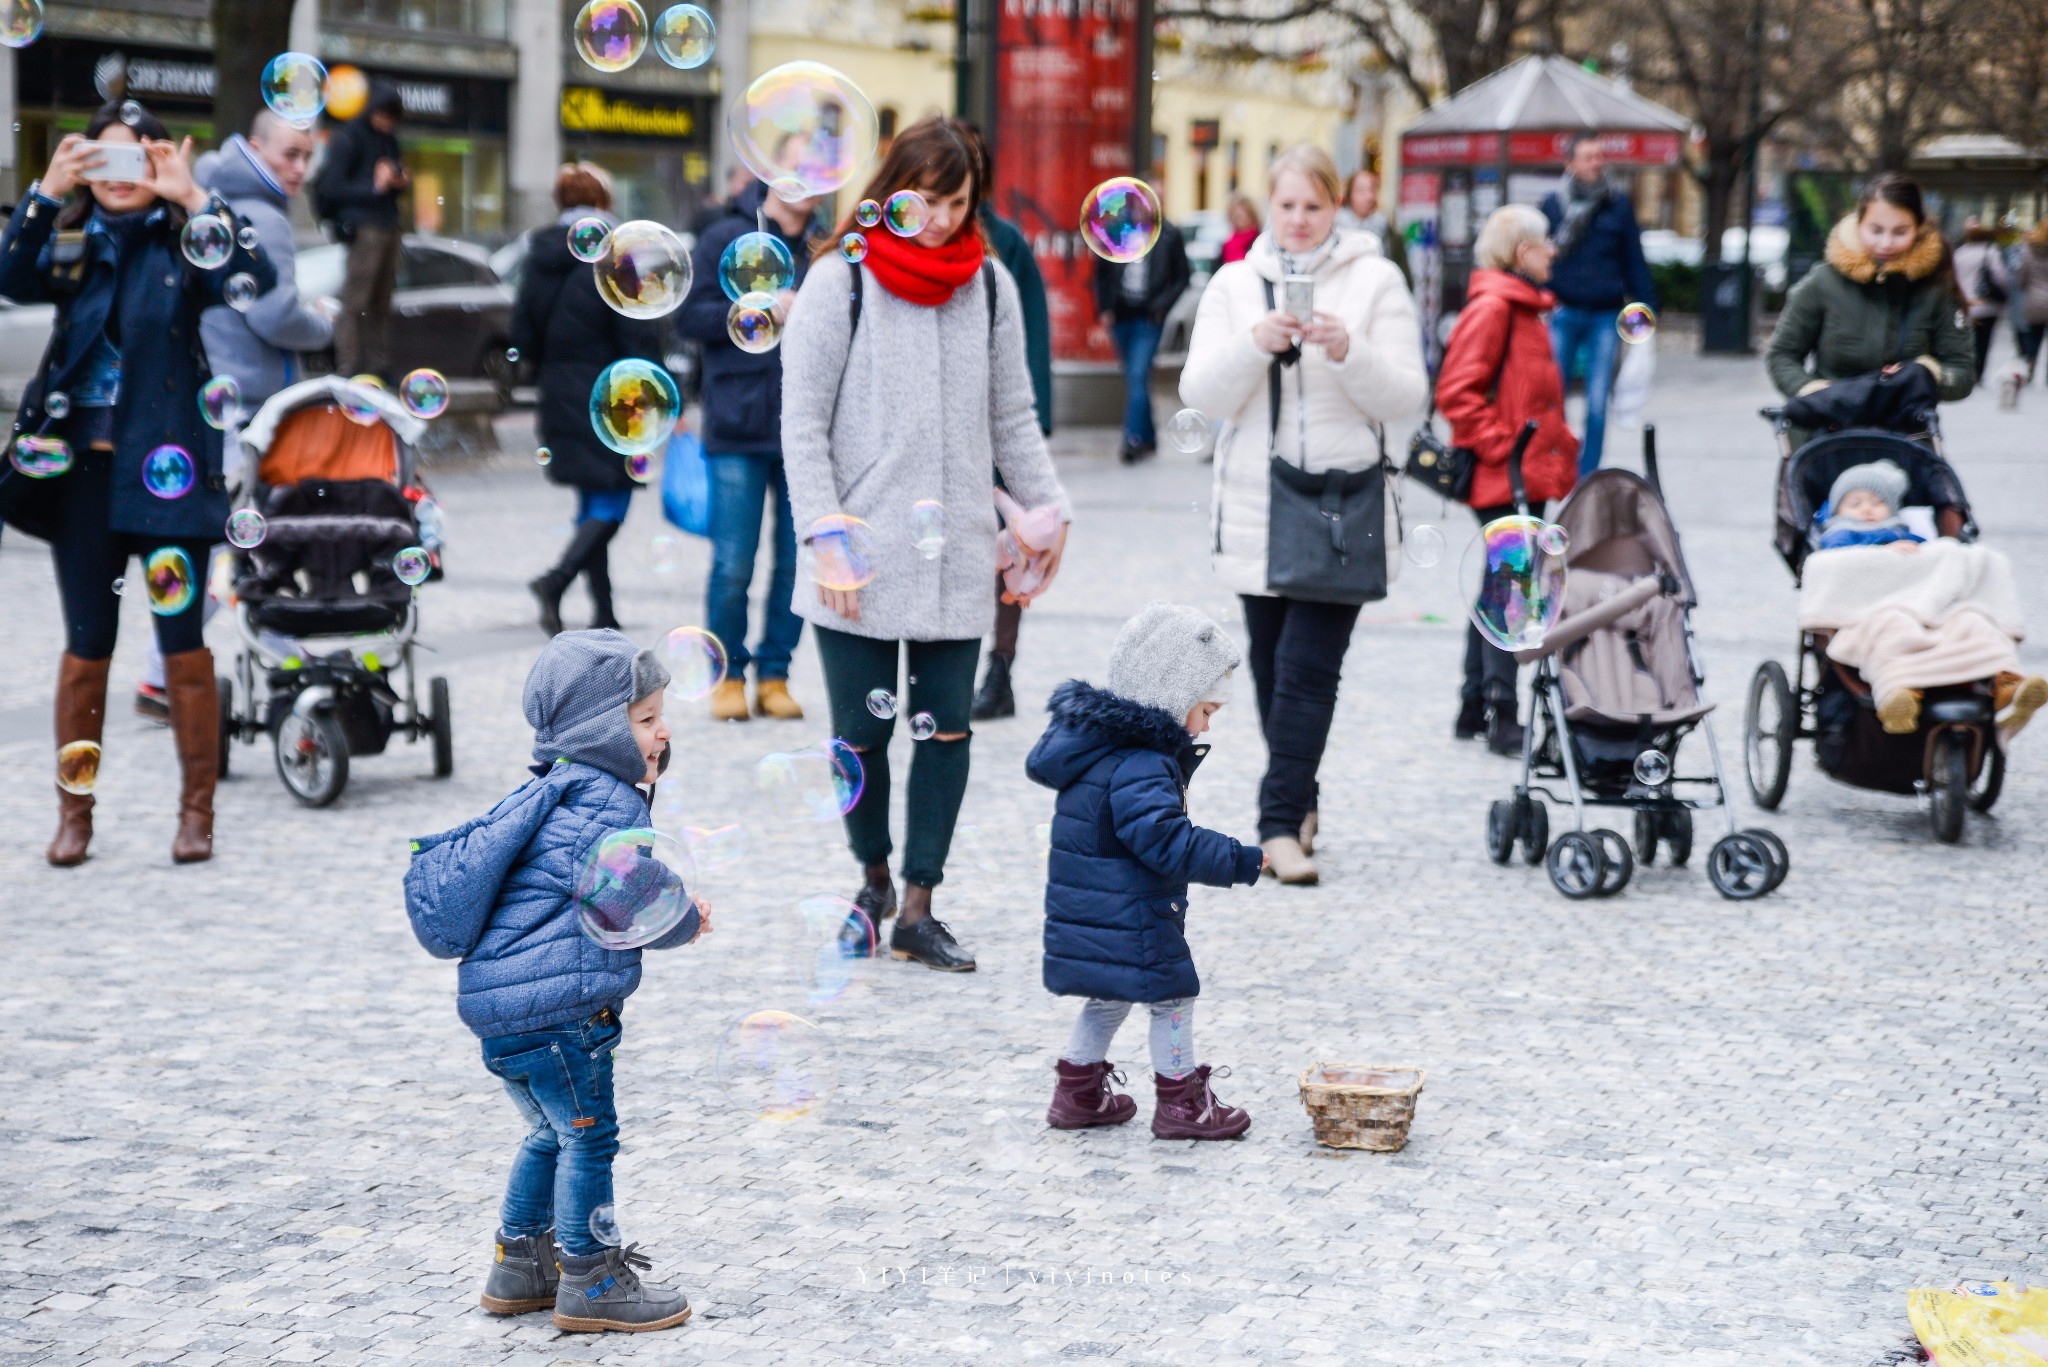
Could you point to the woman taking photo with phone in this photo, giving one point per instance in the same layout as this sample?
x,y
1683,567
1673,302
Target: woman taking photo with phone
x,y
905,384
111,459
1349,358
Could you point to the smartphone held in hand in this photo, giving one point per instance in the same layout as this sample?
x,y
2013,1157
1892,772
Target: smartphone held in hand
x,y
1298,296
124,161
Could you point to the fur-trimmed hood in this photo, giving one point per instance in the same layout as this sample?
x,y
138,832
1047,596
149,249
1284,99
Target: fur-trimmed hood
x,y
1090,722
1845,252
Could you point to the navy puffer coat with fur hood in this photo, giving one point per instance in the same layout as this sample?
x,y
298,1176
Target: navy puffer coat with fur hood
x,y
1123,848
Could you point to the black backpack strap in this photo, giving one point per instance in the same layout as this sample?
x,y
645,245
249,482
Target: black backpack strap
x,y
853,301
988,286
1272,385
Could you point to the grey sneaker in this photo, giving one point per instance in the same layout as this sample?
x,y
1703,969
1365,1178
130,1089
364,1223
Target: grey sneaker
x,y
523,1276
603,1291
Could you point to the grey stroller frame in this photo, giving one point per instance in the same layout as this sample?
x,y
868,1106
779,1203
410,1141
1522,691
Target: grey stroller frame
x,y
1617,689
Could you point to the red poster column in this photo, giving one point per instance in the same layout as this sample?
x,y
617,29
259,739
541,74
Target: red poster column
x,y
1067,74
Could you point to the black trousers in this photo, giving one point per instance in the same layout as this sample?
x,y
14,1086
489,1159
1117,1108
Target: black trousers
x,y
1297,658
91,557
1489,670
1982,330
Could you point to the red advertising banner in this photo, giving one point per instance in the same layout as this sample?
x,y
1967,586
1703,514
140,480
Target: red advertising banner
x,y
1066,86
1451,149
1628,149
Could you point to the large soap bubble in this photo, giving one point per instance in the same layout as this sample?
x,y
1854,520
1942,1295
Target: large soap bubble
x,y
818,783
751,324
207,241
40,456
168,472
824,955
168,576
21,22
634,406
684,36
295,87
78,767
695,660
1637,323
424,392
645,270
1120,219
906,212
589,237
842,552
1513,581
776,1066
610,35
805,125
756,263
633,888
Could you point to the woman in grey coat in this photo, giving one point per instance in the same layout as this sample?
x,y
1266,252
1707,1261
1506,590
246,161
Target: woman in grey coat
x,y
901,388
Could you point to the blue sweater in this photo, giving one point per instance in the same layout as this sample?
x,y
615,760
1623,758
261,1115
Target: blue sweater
x,y
1606,268
1123,849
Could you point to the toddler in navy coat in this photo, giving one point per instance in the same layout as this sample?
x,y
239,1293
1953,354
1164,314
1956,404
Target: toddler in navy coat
x,y
1123,854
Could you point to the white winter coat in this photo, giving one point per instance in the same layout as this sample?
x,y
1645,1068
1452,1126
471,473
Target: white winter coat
x,y
1381,380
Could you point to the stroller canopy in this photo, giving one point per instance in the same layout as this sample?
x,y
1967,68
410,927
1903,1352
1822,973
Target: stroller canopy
x,y
302,433
1810,473
1618,525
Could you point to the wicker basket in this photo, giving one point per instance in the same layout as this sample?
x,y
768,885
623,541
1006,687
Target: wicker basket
x,y
1361,1105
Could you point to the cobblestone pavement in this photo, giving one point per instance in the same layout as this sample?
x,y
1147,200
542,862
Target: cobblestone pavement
x,y
242,1123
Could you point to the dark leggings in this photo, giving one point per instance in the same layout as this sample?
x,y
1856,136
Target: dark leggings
x,y
1981,331
1297,659
1009,616
942,684
1489,670
90,558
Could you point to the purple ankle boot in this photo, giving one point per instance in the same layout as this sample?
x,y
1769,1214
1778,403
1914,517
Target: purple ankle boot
x,y
1187,1109
1082,1097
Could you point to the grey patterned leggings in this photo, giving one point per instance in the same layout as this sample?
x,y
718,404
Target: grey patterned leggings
x,y
1172,1036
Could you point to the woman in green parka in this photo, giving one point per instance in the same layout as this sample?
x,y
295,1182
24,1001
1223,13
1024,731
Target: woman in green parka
x,y
1884,294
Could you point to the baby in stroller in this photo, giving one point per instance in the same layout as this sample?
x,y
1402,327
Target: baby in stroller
x,y
1862,509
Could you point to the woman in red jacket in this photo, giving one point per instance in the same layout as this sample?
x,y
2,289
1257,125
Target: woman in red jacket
x,y
1498,373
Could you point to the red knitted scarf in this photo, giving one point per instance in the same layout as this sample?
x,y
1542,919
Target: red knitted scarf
x,y
920,274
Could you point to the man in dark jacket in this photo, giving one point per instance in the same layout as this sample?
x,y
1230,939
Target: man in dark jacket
x,y
359,189
743,445
1599,268
1132,301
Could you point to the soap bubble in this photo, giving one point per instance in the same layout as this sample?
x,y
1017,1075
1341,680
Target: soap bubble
x,y
819,782
853,247
776,1066
633,888
589,238
21,22
356,402
867,213
168,574
906,213
424,393
663,552
542,455
1512,587
604,1225
715,848
1187,431
295,87
824,964
512,354
805,123
1120,219
245,528
207,241
882,703
928,527
969,845
412,566
1636,323
751,324
684,36
1004,1147
923,726
756,263
131,113
120,586
645,270
78,767
1554,539
634,406
788,189
168,472
348,91
610,34
220,402
248,239
58,405
842,552
241,292
1424,546
640,467
40,457
695,661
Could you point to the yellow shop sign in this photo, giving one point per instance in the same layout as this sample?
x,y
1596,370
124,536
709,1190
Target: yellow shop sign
x,y
585,110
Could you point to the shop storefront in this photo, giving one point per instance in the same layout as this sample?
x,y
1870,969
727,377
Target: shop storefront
x,y
454,136
656,147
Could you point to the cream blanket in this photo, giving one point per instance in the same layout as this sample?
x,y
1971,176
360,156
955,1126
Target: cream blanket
x,y
1945,614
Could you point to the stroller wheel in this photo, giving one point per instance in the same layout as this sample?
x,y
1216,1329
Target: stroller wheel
x,y
1676,828
443,726
1769,726
1535,832
226,689
1740,867
1648,824
1948,779
1619,865
1990,777
1500,831
1576,865
1781,858
312,758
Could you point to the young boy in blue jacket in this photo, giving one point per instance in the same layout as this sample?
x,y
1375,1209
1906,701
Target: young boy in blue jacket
x,y
1123,854
499,894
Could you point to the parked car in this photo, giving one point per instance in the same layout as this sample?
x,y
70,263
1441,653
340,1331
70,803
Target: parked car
x,y
450,311
24,336
1203,234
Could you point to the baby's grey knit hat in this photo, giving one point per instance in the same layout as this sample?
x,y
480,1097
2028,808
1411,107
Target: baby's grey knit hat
x,y
1880,477
1172,657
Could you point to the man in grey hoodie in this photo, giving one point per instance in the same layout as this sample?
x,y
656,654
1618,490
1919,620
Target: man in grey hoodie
x,y
257,176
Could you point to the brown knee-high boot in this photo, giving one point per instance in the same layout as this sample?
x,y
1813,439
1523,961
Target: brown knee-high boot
x,y
81,712
195,726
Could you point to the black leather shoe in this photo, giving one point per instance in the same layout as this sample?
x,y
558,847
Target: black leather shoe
x,y
858,938
995,700
931,944
1503,733
1471,723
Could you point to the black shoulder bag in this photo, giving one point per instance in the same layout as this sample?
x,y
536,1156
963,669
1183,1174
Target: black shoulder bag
x,y
1448,470
1326,533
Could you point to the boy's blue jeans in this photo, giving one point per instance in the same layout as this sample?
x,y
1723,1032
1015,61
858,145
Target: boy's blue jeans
x,y
740,481
561,1081
1592,331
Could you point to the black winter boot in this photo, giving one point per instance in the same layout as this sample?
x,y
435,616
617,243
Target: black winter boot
x,y
523,1275
1503,732
995,699
597,573
550,587
1471,723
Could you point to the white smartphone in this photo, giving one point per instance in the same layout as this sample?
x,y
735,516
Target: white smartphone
x,y
119,161
1298,296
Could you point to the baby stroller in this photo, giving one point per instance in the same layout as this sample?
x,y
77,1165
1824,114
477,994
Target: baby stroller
x,y
1954,756
1617,689
324,620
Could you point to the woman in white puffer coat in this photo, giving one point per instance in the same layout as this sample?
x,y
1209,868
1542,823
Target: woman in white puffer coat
x,y
1357,362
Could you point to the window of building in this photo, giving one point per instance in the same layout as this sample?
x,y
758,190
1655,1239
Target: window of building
x,y
485,18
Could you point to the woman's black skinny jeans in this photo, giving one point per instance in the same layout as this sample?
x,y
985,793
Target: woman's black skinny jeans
x,y
1297,659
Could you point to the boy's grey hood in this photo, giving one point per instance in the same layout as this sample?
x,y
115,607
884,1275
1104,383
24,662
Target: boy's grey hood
x,y
234,173
576,698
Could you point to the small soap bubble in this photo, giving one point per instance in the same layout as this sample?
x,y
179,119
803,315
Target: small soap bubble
x,y
120,587
512,355
684,36
923,726
610,35
1636,323
1513,588
206,241
424,393
131,113
1188,431
1424,546
818,783
220,402
168,472
542,455
756,263
842,552
58,405
644,271
39,456
1120,219
412,566
714,848
928,527
882,703
776,1066
167,573
906,213
240,292
245,528
21,23
662,550
640,467
853,247
695,660
804,126
604,1226
634,406
970,845
825,963
633,888
78,767
867,213
588,238
751,325
1554,539
248,239
295,87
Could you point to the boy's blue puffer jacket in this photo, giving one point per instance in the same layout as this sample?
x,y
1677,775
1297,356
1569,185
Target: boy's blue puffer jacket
x,y
1123,849
499,894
